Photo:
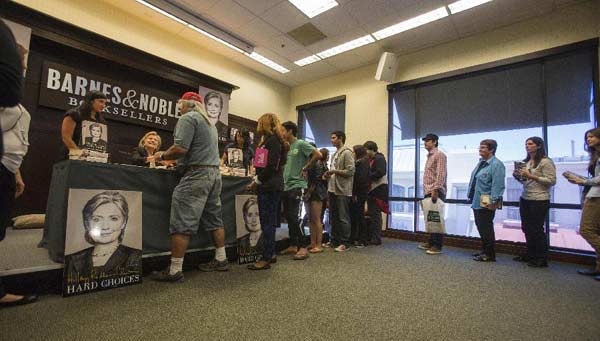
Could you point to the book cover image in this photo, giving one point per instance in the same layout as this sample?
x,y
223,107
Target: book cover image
x,y
103,244
249,233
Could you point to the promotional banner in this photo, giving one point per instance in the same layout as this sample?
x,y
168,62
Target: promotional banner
x,y
249,234
103,245
217,107
64,87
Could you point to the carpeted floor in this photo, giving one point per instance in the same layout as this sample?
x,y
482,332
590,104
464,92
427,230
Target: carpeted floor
x,y
394,292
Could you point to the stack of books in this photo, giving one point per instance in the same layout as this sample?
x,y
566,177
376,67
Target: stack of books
x,y
88,155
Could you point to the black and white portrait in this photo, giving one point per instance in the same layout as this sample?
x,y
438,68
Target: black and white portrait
x,y
103,245
94,136
217,108
235,158
232,132
249,233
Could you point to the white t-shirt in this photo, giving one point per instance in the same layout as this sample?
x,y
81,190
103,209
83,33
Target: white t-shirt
x,y
15,133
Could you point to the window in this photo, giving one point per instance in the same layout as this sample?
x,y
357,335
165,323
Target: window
x,y
550,96
317,120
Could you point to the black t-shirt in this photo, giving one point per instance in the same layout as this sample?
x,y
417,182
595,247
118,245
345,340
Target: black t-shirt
x,y
11,69
76,115
11,73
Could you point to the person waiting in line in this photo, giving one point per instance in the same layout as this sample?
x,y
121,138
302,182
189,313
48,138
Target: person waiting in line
x,y
589,227
90,110
434,186
360,192
196,200
143,154
241,141
300,158
339,187
14,141
377,202
486,187
325,161
537,176
314,199
268,183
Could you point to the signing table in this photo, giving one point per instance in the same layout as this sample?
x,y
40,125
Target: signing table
x,y
156,186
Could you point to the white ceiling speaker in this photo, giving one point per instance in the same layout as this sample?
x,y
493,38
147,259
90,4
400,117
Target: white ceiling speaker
x,y
387,67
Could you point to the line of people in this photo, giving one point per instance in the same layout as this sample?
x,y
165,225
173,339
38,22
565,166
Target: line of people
x,y
538,176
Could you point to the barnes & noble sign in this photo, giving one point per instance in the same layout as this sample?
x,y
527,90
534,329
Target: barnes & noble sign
x,y
64,88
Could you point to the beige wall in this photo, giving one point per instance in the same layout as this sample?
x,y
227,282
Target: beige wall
x,y
366,98
257,94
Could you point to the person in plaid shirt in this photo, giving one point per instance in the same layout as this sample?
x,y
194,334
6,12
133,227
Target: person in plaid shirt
x,y
434,187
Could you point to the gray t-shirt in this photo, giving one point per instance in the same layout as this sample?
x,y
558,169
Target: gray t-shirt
x,y
194,133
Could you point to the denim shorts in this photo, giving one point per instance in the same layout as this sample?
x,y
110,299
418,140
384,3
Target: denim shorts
x,y
196,202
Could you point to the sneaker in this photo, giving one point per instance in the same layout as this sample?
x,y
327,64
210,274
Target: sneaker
x,y
165,276
424,246
328,244
341,248
361,245
433,251
214,265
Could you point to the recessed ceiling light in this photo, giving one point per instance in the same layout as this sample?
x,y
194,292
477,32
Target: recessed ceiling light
x,y
463,5
411,23
346,46
161,11
307,60
267,62
312,8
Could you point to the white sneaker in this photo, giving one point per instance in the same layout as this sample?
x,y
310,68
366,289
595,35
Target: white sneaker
x,y
341,248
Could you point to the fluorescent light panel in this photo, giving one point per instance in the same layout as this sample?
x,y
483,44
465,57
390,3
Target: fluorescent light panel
x,y
312,8
195,28
214,38
163,12
411,23
346,46
307,60
463,5
267,62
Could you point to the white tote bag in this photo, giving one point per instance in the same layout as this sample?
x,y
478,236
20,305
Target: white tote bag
x,y
433,214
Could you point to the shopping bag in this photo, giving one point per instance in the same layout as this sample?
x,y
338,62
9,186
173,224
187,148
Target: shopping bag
x,y
433,214
261,157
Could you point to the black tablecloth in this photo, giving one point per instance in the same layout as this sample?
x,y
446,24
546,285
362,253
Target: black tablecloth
x,y
156,185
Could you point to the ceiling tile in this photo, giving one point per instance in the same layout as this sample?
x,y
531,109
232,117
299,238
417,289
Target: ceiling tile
x,y
230,15
285,17
366,11
434,33
200,7
337,40
258,31
334,22
282,42
258,7
476,20
511,11
408,10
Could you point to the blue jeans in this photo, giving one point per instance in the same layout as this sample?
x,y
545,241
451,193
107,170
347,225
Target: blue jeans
x,y
339,210
268,207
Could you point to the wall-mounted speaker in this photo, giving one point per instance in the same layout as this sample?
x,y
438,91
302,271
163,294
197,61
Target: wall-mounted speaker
x,y
387,67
